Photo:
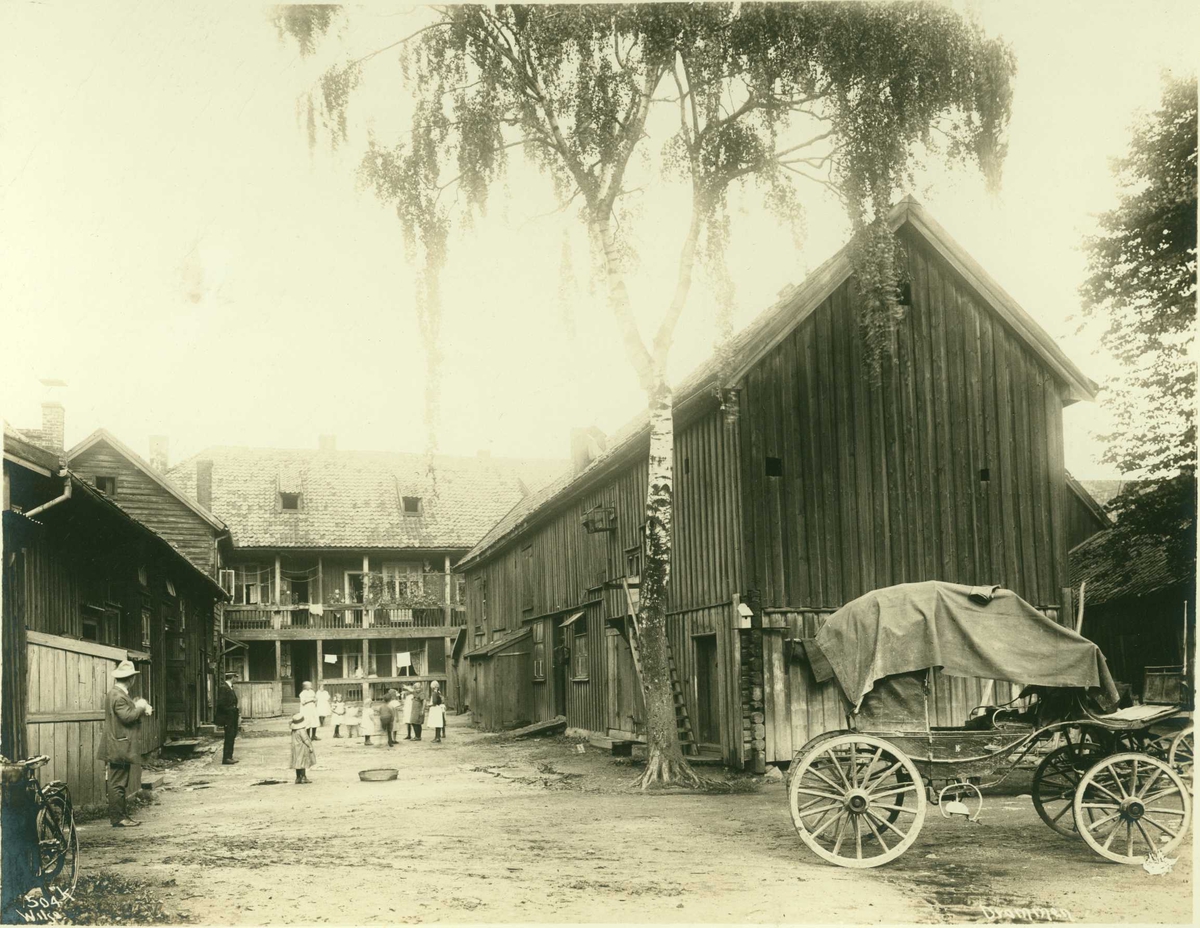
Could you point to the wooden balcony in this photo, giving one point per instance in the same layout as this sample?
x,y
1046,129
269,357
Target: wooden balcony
x,y
342,620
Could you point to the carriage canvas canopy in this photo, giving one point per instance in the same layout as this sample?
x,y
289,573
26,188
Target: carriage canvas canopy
x,y
915,626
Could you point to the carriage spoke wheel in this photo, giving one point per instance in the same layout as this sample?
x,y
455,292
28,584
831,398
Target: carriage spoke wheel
x,y
1055,780
1130,807
857,800
1183,750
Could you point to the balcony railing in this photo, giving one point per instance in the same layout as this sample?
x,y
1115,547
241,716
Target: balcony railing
x,y
341,615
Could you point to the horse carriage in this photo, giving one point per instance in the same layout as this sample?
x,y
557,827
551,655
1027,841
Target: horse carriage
x,y
858,797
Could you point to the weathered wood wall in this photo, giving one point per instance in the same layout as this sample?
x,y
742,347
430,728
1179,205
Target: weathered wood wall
x,y
260,700
503,697
67,683
147,501
885,483
558,568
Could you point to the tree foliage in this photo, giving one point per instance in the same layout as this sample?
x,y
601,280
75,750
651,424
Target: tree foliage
x,y
1141,291
772,95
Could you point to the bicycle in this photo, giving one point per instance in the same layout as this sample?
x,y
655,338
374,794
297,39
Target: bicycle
x,y
55,869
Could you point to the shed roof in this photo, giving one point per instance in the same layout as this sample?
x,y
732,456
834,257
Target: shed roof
x,y
773,325
1114,572
354,499
487,650
23,450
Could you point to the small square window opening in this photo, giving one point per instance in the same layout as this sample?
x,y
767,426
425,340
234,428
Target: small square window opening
x,y
289,502
106,485
412,505
774,467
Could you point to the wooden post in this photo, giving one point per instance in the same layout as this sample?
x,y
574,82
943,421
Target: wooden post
x,y
278,580
320,580
278,659
446,587
366,657
320,661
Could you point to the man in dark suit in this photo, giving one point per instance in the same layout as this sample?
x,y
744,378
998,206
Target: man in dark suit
x,y
226,713
120,743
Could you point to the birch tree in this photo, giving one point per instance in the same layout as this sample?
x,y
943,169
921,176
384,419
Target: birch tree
x,y
773,96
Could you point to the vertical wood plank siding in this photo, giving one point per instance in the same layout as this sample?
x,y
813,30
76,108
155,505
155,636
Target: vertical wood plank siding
x,y
148,502
570,567
881,481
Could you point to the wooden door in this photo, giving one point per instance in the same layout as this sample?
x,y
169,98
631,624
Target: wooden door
x,y
708,691
561,658
626,705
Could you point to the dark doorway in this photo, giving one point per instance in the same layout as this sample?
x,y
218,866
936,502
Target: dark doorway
x,y
304,664
562,659
708,704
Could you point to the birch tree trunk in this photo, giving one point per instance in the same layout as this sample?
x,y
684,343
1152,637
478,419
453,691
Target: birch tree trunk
x,y
665,762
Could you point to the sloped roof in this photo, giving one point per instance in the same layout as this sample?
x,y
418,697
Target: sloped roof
x,y
103,435
487,650
775,323
1105,491
353,499
1113,573
1093,505
19,446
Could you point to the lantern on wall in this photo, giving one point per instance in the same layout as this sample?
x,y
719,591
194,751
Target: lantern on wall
x,y
600,519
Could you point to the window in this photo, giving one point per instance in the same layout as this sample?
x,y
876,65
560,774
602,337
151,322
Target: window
x,y
145,629
143,576
774,467
354,586
539,650
93,623
579,650
402,581
289,502
252,584
171,589
106,485
351,659
411,505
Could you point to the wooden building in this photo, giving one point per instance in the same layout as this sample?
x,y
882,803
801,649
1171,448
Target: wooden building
x,y
142,489
1085,515
86,585
339,562
829,484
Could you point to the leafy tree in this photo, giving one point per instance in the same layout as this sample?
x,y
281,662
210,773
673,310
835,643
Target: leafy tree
x,y
1141,288
839,94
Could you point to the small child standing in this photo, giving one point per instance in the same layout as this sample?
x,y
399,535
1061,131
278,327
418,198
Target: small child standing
x,y
368,720
303,756
352,719
436,715
338,710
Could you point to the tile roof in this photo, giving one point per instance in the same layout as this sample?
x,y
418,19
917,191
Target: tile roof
x,y
1113,573
353,499
774,323
21,445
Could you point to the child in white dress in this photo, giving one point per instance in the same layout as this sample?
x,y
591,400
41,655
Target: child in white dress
x,y
367,724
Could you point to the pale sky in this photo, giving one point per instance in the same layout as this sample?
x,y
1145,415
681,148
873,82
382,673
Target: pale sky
x,y
172,250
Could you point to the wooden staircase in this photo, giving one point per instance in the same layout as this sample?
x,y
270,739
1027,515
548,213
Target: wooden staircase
x,y
683,724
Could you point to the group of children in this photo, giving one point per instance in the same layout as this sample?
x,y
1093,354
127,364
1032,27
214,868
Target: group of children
x,y
408,708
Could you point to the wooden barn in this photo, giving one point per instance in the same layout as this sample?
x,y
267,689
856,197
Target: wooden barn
x,y
827,485
142,489
85,586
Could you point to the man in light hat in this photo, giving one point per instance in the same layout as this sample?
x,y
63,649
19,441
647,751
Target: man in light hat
x,y
120,743
227,714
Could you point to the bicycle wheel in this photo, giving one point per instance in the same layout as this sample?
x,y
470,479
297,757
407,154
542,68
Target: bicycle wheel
x,y
58,843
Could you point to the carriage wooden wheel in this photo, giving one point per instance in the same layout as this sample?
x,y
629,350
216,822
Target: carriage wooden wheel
x,y
1183,750
1055,781
1130,807
856,800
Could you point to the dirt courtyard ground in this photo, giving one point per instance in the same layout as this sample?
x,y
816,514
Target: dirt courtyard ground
x,y
481,830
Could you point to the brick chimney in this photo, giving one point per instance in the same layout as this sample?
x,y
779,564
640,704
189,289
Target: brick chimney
x,y
327,443
159,453
53,429
204,471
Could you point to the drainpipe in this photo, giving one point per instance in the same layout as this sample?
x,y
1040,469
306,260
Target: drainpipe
x,y
66,495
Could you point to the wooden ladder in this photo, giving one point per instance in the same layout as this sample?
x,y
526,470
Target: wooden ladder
x,y
683,724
